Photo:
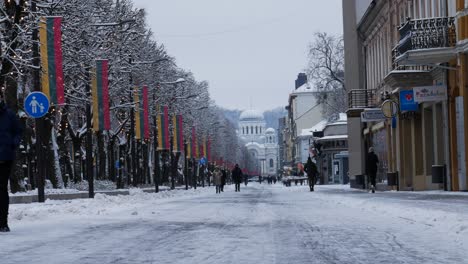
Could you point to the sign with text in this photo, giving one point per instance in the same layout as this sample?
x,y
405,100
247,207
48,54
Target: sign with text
x,y
430,93
407,102
372,115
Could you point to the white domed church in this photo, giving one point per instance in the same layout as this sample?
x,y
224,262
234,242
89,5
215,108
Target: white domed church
x,y
260,141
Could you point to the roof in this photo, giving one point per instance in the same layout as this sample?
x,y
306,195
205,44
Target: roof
x,y
251,115
333,137
305,88
270,131
320,126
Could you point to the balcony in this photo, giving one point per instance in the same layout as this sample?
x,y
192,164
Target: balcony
x,y
423,43
426,42
362,98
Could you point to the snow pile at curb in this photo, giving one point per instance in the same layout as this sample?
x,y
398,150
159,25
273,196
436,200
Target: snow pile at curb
x,y
101,205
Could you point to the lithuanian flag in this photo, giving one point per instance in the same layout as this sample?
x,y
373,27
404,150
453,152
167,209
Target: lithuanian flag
x,y
178,133
193,146
163,129
100,95
141,114
50,37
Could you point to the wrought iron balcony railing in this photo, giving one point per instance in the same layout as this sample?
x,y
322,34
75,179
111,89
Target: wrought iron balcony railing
x,y
429,33
362,98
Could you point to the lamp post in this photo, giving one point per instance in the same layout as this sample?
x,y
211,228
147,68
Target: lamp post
x,y
186,164
157,168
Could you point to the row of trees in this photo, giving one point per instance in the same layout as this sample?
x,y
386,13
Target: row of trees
x,y
104,29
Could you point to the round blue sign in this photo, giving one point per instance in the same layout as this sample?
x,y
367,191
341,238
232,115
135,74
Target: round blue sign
x,y
36,104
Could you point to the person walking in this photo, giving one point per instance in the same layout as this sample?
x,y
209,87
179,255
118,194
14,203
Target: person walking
x,y
10,136
223,179
237,177
372,163
217,175
311,170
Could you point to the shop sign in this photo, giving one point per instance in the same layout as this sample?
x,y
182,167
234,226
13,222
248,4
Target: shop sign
x,y
407,102
372,115
430,93
389,108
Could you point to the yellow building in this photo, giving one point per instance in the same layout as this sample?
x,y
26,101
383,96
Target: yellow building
x,y
413,53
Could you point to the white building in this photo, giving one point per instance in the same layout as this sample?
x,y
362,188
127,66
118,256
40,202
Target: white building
x,y
303,112
260,141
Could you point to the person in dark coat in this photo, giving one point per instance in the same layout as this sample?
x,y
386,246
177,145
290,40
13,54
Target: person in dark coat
x,y
372,163
311,170
237,177
223,179
10,136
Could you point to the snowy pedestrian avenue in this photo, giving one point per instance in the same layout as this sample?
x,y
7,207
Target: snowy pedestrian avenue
x,y
261,224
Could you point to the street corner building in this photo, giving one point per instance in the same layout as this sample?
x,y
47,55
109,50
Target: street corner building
x,y
412,58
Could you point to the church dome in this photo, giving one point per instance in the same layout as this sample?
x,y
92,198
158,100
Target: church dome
x,y
270,131
251,115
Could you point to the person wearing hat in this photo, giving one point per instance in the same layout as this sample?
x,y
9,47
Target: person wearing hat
x,y
372,163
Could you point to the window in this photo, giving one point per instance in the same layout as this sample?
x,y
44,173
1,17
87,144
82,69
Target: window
x,y
247,130
243,130
272,163
251,130
256,130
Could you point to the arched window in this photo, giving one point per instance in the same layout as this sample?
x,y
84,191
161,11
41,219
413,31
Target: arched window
x,y
256,130
272,163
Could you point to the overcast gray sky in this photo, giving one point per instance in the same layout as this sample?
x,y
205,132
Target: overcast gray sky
x,y
248,50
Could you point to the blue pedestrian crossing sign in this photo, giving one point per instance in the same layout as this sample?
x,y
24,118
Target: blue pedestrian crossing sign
x,y
36,104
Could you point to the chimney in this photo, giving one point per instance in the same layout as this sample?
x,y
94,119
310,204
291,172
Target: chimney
x,y
301,79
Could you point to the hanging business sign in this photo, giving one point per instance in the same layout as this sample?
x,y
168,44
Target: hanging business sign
x,y
372,115
430,93
407,102
389,108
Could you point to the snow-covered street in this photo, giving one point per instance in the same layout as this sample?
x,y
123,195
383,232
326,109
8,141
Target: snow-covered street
x,y
261,224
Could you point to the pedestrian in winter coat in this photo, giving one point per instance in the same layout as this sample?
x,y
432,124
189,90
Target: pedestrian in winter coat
x,y
10,136
237,177
223,179
311,170
372,163
217,179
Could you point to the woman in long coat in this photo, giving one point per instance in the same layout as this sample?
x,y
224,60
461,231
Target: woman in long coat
x,y
217,179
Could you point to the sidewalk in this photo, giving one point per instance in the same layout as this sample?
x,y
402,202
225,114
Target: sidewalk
x,y
450,202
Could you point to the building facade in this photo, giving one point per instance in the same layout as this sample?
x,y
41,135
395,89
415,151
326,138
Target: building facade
x,y
261,142
303,112
412,53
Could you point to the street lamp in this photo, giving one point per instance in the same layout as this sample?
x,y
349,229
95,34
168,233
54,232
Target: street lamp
x,y
157,168
185,164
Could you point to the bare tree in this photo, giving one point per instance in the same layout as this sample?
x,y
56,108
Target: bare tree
x,y
326,72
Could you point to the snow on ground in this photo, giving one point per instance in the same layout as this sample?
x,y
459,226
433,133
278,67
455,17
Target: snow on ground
x,y
261,224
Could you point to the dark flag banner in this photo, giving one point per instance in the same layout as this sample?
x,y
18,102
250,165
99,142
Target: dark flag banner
x,y
194,144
